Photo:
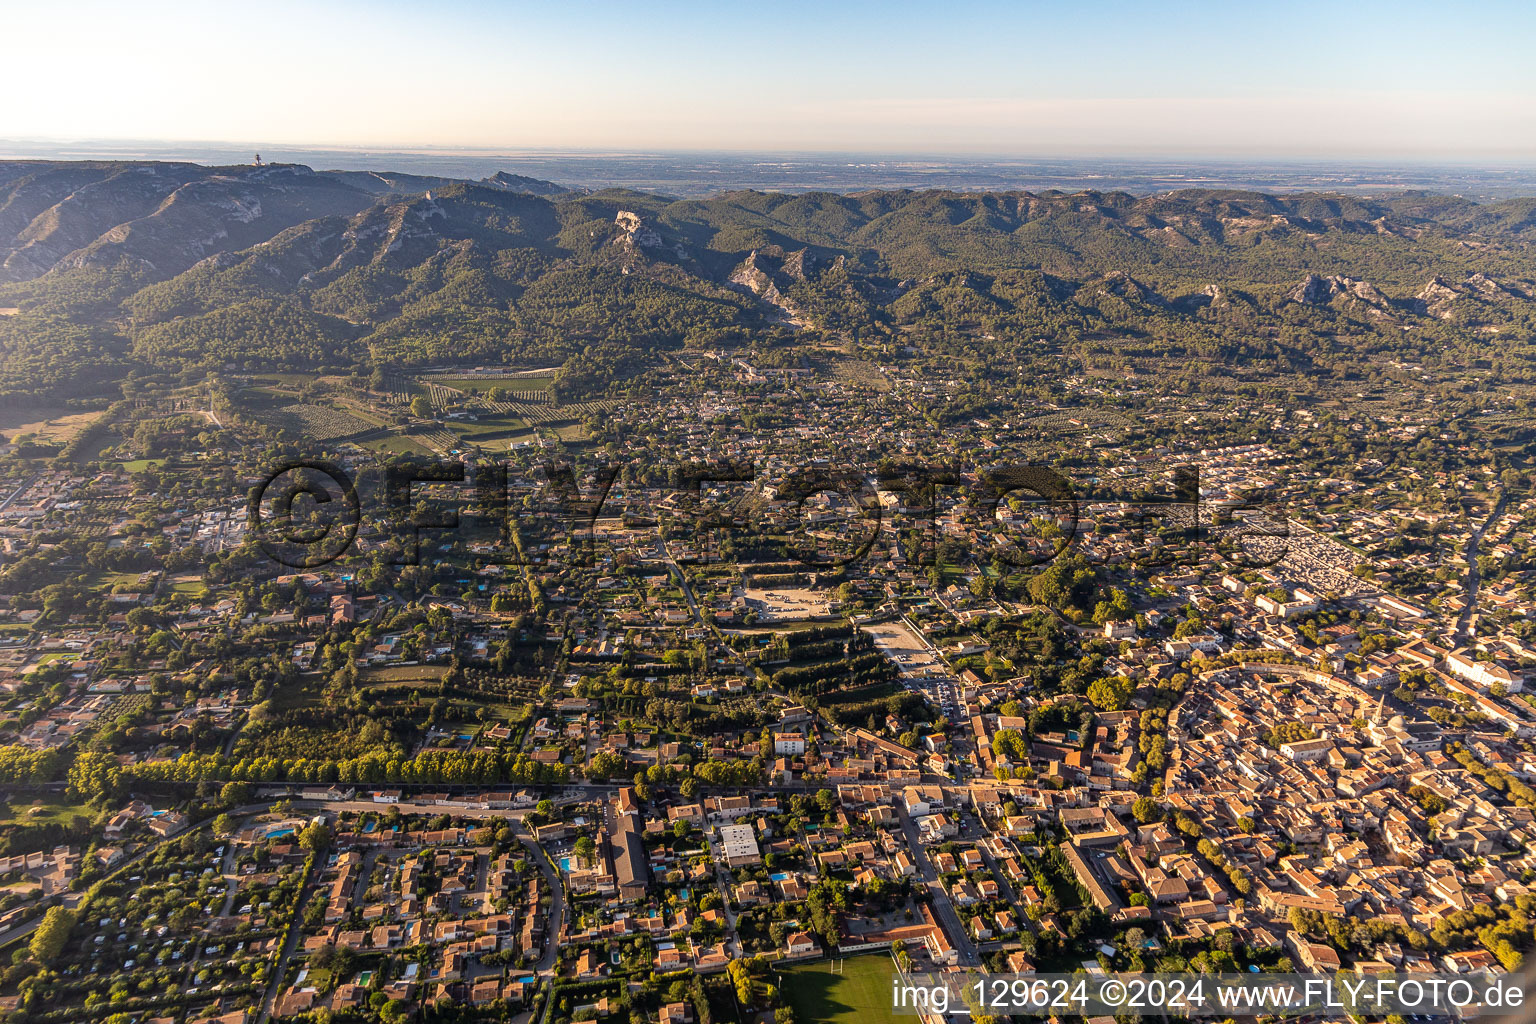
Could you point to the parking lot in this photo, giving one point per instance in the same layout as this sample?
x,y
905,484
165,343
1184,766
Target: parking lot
x,y
786,605
918,664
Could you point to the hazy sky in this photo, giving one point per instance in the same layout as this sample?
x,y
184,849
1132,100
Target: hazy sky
x,y
1339,79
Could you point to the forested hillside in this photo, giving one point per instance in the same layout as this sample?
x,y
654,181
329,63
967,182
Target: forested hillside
x,y
113,268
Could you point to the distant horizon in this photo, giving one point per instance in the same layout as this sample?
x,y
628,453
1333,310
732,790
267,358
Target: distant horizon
x,y
1366,81
702,172
61,147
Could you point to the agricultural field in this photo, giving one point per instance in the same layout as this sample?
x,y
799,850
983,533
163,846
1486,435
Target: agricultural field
x,y
437,439
47,426
488,428
189,586
320,421
861,372
481,385
101,446
283,379
127,704
395,444
399,674
44,660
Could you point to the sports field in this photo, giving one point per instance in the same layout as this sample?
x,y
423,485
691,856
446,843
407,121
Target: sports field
x,y
852,991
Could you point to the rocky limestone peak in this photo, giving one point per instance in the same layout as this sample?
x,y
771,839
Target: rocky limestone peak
x,y
800,265
753,273
1485,285
1437,290
1313,290
1316,290
1364,291
636,231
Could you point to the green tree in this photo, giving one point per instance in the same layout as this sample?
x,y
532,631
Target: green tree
x,y
49,939
1111,693
317,836
94,775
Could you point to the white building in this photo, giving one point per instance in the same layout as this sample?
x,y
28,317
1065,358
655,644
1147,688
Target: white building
x,y
1483,673
740,845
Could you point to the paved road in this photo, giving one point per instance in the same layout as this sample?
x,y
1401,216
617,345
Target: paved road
x,y
19,931
231,880
234,734
1474,574
943,909
556,924
717,854
18,492
306,887
687,589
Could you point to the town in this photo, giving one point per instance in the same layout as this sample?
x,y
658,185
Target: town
x,y
1195,697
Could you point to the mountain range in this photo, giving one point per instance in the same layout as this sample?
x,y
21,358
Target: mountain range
x,y
107,267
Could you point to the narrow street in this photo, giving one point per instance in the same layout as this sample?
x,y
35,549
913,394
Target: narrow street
x,y
231,879
687,589
555,927
18,492
306,889
1474,574
943,909
717,855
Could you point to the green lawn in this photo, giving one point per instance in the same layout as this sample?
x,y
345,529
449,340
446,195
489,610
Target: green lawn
x,y
861,994
395,444
22,809
107,580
